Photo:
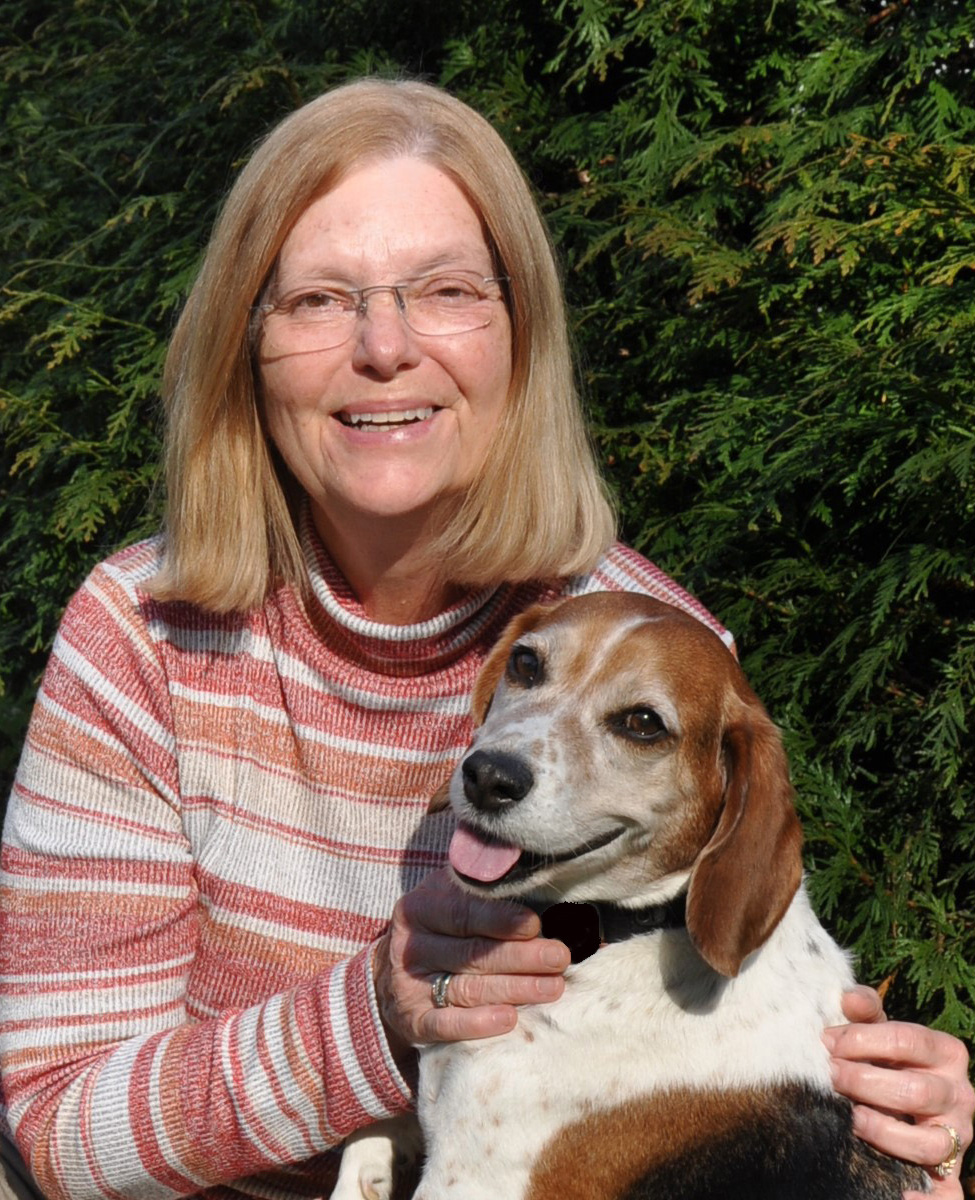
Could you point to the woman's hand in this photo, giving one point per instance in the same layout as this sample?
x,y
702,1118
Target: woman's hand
x,y
907,1082
494,954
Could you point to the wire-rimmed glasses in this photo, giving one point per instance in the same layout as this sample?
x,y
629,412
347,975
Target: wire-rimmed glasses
x,y
436,305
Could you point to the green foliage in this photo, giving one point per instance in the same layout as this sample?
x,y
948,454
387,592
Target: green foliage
x,y
767,221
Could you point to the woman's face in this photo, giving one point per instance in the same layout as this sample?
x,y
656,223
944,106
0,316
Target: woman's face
x,y
434,402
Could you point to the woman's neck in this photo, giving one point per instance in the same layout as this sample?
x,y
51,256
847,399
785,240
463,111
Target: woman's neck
x,y
388,565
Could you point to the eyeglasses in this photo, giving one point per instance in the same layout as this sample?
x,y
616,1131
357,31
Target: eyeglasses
x,y
431,305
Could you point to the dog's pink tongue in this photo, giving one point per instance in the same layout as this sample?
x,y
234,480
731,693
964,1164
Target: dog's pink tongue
x,y
485,861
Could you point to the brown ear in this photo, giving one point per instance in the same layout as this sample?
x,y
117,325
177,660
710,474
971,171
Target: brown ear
x,y
440,798
746,876
495,663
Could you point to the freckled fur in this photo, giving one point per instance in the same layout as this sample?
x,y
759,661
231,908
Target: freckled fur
x,y
681,1064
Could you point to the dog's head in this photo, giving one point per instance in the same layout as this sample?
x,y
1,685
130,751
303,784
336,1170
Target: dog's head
x,y
621,755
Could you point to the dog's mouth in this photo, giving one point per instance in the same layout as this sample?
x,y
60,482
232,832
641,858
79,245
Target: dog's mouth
x,y
484,861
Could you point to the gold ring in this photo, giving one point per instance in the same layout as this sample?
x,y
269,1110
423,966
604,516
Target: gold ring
x,y
438,989
944,1168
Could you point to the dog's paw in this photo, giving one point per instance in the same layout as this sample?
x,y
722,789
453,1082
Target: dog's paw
x,y
375,1183
366,1172
371,1181
365,1181
372,1157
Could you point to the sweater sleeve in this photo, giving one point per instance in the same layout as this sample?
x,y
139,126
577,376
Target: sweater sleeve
x,y
109,1087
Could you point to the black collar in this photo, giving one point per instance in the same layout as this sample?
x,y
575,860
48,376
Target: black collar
x,y
585,927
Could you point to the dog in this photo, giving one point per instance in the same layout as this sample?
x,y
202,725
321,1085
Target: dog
x,y
621,760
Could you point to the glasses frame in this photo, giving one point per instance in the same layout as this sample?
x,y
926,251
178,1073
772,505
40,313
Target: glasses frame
x,y
361,298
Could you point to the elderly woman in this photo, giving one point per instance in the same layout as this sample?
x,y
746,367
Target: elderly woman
x,y
224,901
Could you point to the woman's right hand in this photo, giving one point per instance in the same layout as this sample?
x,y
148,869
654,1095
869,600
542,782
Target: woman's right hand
x,y
492,950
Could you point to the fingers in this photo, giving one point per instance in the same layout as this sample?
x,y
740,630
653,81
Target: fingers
x,y
492,950
484,956
899,1043
468,990
862,1003
469,1016
907,1083
439,907
927,1144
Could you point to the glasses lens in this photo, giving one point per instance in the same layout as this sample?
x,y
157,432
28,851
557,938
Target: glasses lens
x,y
310,321
443,304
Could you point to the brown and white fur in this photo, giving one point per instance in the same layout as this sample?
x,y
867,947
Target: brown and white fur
x,y
620,746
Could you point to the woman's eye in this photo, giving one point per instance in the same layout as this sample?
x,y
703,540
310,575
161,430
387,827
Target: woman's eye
x,y
524,666
639,725
449,290
319,302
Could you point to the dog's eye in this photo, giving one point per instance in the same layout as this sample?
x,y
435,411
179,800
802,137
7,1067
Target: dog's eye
x,y
524,666
639,725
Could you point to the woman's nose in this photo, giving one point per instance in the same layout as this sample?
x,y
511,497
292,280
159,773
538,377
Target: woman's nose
x,y
383,340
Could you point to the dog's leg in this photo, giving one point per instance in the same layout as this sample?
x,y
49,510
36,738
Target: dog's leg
x,y
371,1156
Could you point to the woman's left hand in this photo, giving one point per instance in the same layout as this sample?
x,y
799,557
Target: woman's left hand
x,y
907,1082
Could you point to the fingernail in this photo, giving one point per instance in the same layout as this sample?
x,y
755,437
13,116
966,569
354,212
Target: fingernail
x,y
830,1037
549,985
555,954
504,1019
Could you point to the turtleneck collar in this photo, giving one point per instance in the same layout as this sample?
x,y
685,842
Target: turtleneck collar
x,y
395,649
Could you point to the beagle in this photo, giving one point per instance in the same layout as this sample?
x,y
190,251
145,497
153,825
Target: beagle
x,y
621,760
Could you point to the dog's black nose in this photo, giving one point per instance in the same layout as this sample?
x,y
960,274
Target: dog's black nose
x,y
494,780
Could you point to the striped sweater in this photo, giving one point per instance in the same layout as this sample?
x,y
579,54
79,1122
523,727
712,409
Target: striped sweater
x,y
212,821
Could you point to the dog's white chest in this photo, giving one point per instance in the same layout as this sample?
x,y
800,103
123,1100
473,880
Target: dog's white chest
x,y
488,1108
636,1018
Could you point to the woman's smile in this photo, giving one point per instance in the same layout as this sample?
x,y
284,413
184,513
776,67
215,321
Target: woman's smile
x,y
385,421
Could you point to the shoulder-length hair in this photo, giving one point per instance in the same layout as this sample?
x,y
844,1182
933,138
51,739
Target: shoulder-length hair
x,y
538,508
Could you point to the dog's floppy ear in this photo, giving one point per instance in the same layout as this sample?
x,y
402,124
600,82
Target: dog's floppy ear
x,y
495,663
440,798
745,877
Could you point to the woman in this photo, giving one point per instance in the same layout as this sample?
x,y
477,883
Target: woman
x,y
375,459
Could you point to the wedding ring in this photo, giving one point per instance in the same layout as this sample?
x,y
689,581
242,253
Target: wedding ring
x,y
944,1168
438,989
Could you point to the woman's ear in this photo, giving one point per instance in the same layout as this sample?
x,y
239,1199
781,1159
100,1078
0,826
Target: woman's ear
x,y
745,877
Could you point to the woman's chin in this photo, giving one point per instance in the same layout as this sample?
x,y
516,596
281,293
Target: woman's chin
x,y
413,508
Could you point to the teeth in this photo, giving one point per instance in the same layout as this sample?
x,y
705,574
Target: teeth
x,y
404,417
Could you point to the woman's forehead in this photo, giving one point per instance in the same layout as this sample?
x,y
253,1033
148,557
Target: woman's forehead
x,y
398,214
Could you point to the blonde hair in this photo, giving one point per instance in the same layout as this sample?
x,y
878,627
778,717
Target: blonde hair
x,y
538,508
